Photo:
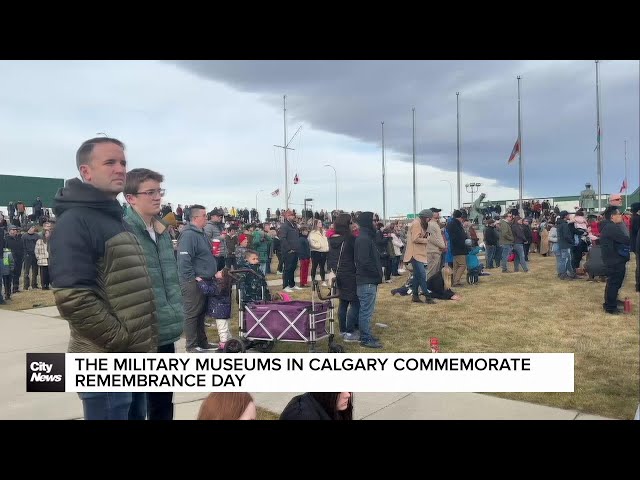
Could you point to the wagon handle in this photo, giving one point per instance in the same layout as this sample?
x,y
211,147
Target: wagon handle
x,y
318,290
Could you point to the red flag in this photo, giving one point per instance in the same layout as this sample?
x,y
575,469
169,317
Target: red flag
x,y
296,180
624,186
514,152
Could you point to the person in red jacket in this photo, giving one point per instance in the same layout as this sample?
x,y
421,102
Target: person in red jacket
x,y
595,228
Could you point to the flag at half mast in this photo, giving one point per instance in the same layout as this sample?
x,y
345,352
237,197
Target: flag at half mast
x,y
514,152
623,188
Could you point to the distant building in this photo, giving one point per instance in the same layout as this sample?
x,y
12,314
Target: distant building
x,y
569,203
16,188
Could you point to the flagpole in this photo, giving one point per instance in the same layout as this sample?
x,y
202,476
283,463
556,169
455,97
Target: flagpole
x,y
414,161
285,146
599,144
626,184
384,185
286,168
458,142
520,155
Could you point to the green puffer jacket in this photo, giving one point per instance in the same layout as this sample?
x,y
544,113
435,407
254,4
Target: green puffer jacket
x,y
99,274
261,243
163,270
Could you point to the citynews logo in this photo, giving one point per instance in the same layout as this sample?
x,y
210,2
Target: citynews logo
x,y
45,372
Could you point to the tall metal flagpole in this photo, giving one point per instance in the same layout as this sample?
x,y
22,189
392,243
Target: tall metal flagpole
x,y
626,184
458,142
285,146
520,188
384,184
286,167
414,161
599,133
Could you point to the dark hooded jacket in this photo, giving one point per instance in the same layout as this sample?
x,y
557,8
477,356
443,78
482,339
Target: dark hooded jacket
x,y
98,270
340,261
614,243
635,225
366,255
304,407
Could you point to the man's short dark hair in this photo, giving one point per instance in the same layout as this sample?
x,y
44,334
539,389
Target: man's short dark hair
x,y
197,207
83,155
248,253
610,211
140,175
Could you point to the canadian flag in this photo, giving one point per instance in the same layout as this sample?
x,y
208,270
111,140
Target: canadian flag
x,y
623,188
296,180
275,193
514,152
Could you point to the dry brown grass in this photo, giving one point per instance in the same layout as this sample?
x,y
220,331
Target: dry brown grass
x,y
29,299
518,312
532,312
266,414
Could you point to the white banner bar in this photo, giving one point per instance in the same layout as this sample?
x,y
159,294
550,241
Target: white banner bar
x,y
331,372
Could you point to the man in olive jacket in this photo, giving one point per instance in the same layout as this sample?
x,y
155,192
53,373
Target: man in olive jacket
x,y
99,273
142,191
505,240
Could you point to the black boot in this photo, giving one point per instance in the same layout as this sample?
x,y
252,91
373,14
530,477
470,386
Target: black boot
x,y
416,299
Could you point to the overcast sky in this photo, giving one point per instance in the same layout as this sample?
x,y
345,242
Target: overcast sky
x,y
210,126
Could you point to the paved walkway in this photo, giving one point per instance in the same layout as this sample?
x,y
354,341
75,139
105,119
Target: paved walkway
x,y
38,330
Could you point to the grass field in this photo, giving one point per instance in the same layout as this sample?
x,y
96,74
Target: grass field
x,y
533,312
524,313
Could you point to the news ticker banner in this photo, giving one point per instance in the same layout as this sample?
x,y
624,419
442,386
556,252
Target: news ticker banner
x,y
306,372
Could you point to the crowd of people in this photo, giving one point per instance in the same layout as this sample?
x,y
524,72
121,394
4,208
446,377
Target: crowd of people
x,y
588,246
136,279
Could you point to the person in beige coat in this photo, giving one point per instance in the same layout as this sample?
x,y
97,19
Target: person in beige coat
x,y
435,243
319,245
416,253
544,241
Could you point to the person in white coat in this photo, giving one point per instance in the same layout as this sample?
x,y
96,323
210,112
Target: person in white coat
x,y
319,245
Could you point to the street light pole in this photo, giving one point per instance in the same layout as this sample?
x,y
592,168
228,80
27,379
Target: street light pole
x,y
336,176
450,195
472,188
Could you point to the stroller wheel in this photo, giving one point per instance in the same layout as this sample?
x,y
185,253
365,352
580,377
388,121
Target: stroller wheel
x,y
263,347
336,348
234,346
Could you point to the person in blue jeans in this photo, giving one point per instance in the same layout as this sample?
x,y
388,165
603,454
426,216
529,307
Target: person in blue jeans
x,y
505,240
341,262
565,245
114,405
368,277
519,240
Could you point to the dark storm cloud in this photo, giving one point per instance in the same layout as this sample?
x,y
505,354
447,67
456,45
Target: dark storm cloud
x,y
558,111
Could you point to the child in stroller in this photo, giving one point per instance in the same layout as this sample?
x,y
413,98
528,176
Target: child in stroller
x,y
254,288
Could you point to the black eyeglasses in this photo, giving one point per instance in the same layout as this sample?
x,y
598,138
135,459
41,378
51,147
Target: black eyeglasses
x,y
152,193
